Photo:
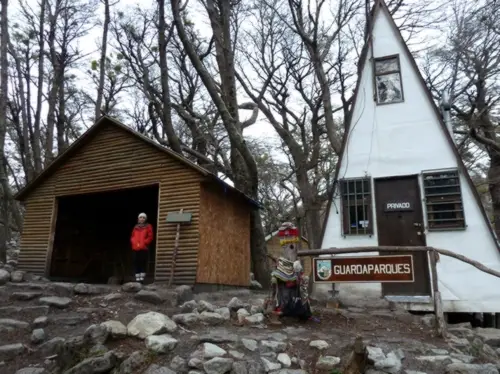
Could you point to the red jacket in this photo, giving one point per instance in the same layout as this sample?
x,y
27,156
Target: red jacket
x,y
141,237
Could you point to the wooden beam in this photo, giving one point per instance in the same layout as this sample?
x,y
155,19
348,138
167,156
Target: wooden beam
x,y
444,252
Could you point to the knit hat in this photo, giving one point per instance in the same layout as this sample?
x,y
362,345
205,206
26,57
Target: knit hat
x,y
143,215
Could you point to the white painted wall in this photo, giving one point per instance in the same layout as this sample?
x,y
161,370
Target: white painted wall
x,y
402,139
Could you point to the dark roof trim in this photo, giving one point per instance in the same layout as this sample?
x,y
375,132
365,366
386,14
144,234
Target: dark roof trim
x,y
85,137
380,5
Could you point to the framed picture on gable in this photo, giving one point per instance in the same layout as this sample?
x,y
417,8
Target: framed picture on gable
x,y
388,85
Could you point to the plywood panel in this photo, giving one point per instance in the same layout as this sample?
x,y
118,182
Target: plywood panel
x,y
224,255
115,159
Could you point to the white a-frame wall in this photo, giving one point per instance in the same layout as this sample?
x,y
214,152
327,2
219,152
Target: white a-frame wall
x,y
397,150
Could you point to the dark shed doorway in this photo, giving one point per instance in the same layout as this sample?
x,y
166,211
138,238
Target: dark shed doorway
x,y
92,235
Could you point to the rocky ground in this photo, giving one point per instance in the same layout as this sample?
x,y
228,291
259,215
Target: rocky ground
x,y
54,328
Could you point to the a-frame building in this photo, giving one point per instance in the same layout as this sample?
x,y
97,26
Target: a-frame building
x,y
400,181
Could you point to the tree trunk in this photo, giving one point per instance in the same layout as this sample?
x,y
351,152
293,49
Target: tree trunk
x,y
166,113
102,61
4,41
36,142
244,167
494,188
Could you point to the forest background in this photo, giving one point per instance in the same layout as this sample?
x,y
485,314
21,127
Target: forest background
x,y
256,91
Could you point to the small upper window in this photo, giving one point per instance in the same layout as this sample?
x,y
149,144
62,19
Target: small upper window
x,y
443,200
388,80
356,206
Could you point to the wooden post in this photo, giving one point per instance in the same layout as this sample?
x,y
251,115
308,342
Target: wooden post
x,y
438,302
176,249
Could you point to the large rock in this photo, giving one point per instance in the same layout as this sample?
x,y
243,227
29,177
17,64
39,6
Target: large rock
x,y
211,318
55,301
319,344
254,319
205,306
210,350
151,323
52,346
218,365
25,296
113,296
90,289
17,276
179,364
156,369
96,334
189,306
4,276
133,363
391,364
10,351
132,287
184,293
149,297
11,310
327,362
185,319
459,368
284,360
224,312
40,322
269,365
161,343
32,370
272,346
13,323
217,336
69,319
242,313
99,364
490,336
235,304
38,336
250,344
117,329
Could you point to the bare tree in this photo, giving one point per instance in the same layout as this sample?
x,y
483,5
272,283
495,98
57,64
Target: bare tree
x,y
469,67
102,60
224,96
4,42
69,20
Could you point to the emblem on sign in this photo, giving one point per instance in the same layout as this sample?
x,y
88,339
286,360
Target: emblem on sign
x,y
324,269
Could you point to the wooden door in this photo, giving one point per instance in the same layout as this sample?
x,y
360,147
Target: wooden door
x,y
400,223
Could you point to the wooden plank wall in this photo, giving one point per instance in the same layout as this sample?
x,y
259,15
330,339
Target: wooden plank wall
x,y
275,250
224,256
115,159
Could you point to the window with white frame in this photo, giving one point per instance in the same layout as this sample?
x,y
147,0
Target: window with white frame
x,y
356,199
443,200
388,85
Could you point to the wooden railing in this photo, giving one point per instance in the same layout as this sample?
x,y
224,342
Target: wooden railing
x,y
433,254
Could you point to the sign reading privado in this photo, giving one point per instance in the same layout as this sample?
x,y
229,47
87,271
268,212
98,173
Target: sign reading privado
x,y
364,269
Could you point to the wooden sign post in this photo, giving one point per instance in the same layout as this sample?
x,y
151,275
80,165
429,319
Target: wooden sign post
x,y
178,218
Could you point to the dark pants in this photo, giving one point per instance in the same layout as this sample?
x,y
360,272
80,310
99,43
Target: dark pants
x,y
140,261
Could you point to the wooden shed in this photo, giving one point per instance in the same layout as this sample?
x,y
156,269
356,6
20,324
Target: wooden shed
x,y
275,250
81,209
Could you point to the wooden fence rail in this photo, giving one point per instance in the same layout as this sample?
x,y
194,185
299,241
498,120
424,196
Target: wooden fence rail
x,y
433,254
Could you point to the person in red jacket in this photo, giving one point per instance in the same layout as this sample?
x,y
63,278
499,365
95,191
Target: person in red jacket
x,y
141,238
